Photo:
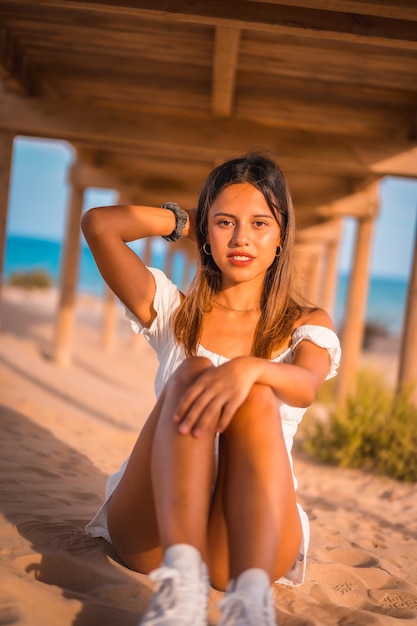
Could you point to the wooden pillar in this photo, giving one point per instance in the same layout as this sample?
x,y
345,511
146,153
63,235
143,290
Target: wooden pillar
x,y
169,261
308,261
110,306
354,323
329,284
316,253
300,268
68,280
314,274
147,252
408,358
126,197
6,153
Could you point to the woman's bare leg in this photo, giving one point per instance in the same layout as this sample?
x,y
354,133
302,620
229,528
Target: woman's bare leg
x,y
254,521
165,492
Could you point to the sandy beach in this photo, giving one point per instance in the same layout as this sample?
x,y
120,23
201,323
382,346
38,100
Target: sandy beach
x,y
63,430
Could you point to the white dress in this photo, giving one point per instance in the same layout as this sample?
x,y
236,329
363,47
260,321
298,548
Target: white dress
x,y
170,355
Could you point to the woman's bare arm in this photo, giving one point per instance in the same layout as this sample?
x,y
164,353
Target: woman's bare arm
x,y
107,231
219,391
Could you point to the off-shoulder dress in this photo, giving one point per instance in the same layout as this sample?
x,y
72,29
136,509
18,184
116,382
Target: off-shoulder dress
x,y
170,355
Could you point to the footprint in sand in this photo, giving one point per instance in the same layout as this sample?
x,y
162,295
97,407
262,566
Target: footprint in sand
x,y
353,557
355,579
332,584
401,605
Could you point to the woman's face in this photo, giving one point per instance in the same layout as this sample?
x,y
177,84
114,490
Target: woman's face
x,y
243,234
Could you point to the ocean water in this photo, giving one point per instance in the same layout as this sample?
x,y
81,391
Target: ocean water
x,y
386,301
29,254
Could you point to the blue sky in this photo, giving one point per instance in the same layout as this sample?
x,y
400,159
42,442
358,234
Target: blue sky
x,y
39,195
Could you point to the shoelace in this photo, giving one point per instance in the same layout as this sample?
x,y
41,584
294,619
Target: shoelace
x,y
239,605
166,595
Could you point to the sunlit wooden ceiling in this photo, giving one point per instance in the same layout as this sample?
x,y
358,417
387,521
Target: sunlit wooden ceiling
x,y
154,94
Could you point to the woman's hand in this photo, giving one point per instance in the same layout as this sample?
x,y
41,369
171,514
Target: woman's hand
x,y
216,395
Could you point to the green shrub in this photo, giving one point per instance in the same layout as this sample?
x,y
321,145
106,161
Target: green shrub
x,y
37,279
376,431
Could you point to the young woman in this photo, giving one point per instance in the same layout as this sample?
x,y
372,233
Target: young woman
x,y
208,492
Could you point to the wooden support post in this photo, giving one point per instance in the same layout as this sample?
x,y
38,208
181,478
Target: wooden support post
x,y
354,323
108,337
330,276
315,259
300,262
68,281
408,357
147,253
308,260
6,153
169,261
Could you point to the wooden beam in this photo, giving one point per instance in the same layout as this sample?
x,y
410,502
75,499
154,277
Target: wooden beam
x,y
388,77
151,180
264,16
17,64
226,50
148,180
360,204
404,9
201,139
75,42
327,232
84,175
154,173
404,164
9,82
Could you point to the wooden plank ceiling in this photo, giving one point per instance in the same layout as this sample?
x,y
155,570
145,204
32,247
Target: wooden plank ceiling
x,y
155,93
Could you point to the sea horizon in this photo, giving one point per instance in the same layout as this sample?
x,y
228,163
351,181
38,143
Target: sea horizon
x,y
386,299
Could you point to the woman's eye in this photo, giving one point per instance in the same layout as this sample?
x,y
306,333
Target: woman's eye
x,y
225,223
260,224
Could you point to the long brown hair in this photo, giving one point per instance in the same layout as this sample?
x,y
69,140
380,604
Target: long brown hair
x,y
279,309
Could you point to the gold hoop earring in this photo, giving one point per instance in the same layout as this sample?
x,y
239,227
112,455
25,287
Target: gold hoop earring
x,y
278,252
208,252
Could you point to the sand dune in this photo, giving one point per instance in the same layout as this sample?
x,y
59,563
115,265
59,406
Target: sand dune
x,y
64,429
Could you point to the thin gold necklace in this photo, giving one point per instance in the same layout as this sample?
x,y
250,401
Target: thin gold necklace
x,y
224,306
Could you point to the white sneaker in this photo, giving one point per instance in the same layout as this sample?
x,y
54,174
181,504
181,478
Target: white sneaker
x,y
182,588
244,605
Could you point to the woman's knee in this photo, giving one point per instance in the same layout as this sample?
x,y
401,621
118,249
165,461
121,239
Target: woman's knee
x,y
258,415
188,371
263,397
261,402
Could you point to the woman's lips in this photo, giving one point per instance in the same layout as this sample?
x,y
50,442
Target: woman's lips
x,y
240,259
